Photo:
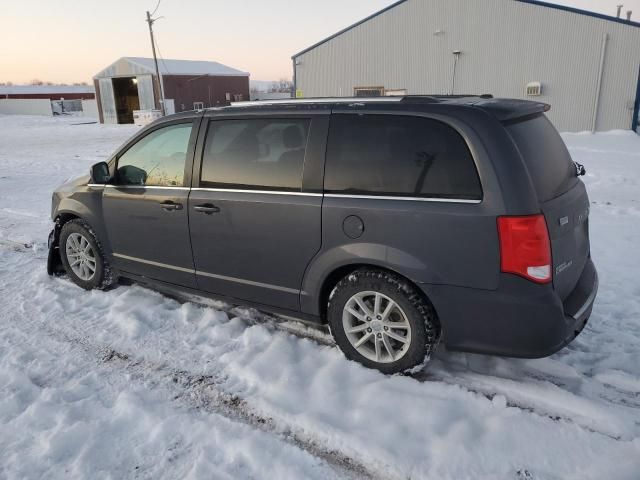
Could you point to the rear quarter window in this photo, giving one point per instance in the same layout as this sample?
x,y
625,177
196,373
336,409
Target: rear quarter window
x,y
397,155
546,156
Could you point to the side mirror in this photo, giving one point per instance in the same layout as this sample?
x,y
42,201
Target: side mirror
x,y
100,173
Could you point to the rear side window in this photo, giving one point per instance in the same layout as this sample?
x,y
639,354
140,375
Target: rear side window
x,y
255,154
399,156
545,155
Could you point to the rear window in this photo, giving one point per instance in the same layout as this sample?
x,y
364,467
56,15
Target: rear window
x,y
395,155
546,156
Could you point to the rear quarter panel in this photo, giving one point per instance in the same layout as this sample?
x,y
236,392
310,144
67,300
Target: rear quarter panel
x,y
437,243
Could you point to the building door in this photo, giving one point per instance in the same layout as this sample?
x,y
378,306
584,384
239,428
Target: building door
x,y
253,228
107,101
145,92
145,210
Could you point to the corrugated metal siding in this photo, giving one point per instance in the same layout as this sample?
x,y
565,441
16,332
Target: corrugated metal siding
x,y
504,44
107,101
145,92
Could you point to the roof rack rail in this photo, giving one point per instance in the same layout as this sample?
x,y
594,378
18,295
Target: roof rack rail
x,y
391,99
298,101
434,98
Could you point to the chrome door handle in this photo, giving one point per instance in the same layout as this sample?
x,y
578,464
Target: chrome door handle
x,y
207,208
171,206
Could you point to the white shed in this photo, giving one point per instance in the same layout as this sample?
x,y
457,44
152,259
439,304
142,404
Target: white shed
x,y
130,84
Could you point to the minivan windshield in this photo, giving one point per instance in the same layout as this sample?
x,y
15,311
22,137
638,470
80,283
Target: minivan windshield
x,y
546,156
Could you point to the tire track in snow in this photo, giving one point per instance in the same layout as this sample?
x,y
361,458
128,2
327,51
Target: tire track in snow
x,y
192,390
523,406
253,317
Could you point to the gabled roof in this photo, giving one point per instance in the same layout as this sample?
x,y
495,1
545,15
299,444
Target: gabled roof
x,y
174,67
532,2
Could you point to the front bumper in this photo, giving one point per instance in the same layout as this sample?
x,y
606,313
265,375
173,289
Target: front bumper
x,y
520,319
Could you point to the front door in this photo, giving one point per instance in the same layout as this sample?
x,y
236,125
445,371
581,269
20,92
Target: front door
x,y
145,209
254,228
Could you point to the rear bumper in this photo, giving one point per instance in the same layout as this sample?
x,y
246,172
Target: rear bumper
x,y
520,319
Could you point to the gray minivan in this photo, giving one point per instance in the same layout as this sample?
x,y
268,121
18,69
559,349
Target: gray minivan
x,y
399,221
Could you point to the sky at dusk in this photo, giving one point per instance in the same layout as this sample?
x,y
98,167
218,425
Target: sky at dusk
x,y
71,40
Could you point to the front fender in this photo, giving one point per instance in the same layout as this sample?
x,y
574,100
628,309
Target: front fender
x,y
372,254
88,207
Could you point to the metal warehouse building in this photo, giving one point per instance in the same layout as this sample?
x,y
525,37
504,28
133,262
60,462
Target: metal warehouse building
x,y
130,84
586,65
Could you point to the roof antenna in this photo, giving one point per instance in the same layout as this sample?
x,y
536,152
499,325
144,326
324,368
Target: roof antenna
x,y
619,10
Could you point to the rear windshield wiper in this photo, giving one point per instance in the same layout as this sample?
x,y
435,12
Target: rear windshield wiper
x,y
580,170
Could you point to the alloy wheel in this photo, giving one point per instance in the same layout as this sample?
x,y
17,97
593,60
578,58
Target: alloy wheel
x,y
376,327
81,257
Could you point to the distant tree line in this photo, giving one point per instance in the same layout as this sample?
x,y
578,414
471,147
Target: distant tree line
x,y
36,81
281,86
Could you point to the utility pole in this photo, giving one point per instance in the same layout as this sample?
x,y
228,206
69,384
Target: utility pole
x,y
155,60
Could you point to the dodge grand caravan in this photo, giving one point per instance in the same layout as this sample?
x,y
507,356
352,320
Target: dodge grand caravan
x,y
400,222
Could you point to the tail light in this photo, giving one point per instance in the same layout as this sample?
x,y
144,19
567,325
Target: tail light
x,y
525,248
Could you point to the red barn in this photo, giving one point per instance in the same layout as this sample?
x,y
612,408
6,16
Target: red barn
x,y
50,92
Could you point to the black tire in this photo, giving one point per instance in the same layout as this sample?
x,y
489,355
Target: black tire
x,y
102,276
425,329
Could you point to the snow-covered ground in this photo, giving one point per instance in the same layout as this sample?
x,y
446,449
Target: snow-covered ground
x,y
131,384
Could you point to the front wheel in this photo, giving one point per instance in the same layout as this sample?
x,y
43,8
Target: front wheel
x,y
82,256
380,320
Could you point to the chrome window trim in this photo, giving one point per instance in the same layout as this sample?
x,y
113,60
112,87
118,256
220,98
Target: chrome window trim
x,y
339,195
155,264
404,199
265,192
299,194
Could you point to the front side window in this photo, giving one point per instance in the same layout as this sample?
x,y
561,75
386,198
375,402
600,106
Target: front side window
x,y
255,154
157,159
399,156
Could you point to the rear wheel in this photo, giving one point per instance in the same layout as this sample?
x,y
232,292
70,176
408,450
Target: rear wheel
x,y
380,320
82,256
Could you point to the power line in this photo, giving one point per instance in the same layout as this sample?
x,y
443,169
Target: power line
x,y
156,9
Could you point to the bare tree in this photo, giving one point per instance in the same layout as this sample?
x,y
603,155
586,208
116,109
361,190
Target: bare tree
x,y
281,86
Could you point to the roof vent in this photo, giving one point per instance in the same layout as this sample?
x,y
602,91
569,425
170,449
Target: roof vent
x,y
534,89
